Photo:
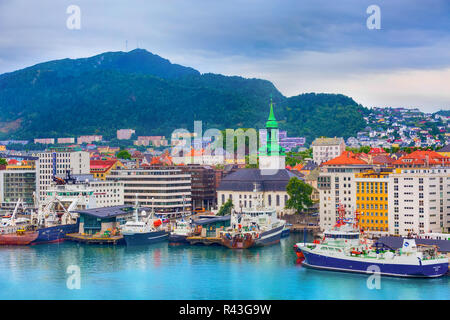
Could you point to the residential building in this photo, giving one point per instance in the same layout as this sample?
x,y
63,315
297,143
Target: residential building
x,y
167,189
45,141
57,162
336,184
66,140
372,201
325,149
102,168
125,134
89,139
419,200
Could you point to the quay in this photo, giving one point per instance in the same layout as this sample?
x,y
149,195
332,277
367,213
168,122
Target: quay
x,y
204,240
93,239
302,227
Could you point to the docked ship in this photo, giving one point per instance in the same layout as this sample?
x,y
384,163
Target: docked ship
x,y
15,230
344,249
143,232
181,231
253,227
56,217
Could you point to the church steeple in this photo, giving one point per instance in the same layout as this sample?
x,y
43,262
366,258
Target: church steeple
x,y
271,122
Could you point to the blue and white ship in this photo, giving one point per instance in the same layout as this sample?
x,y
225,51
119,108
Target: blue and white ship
x,y
143,232
342,249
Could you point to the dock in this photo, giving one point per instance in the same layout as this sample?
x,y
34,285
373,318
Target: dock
x,y
92,239
204,240
302,227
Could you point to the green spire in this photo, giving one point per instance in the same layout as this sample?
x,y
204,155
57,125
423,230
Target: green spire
x,y
271,122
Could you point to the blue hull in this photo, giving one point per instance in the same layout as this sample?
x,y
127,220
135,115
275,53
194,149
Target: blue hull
x,y
285,233
178,239
337,264
140,239
269,237
55,234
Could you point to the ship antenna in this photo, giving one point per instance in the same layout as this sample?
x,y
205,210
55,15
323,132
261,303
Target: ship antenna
x,y
136,216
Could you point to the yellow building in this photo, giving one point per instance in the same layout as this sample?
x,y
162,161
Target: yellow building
x,y
372,200
102,168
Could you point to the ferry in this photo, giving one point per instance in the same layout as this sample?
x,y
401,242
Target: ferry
x,y
254,227
147,231
343,249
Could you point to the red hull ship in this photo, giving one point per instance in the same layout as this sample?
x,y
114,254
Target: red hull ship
x,y
20,238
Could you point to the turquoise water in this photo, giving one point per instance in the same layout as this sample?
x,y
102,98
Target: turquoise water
x,y
184,272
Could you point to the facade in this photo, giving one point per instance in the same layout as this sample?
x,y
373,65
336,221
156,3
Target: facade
x,y
89,139
203,189
56,162
66,140
336,184
17,184
156,141
325,149
100,169
419,200
167,189
372,201
125,134
45,141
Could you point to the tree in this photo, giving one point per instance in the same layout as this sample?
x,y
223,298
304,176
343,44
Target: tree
x,y
123,154
3,162
299,195
225,209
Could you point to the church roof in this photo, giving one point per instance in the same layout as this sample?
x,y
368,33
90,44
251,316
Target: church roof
x,y
271,121
244,180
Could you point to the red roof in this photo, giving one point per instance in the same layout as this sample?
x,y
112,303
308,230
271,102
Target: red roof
x,y
376,150
422,158
102,164
13,161
346,158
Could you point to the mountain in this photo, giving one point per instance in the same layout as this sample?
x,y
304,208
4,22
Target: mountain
x,y
140,90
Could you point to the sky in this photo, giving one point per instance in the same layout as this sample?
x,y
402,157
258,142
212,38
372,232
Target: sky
x,y
299,45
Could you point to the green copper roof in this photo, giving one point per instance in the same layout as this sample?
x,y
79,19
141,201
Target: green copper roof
x,y
271,122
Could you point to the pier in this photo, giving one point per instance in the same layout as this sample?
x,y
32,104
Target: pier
x,y
304,227
92,239
204,240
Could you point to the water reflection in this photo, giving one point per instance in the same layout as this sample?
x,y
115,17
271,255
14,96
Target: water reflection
x,y
161,271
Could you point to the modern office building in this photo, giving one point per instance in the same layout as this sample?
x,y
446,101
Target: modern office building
x,y
57,162
167,189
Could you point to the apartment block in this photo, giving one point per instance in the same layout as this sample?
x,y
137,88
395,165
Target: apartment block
x,y
419,200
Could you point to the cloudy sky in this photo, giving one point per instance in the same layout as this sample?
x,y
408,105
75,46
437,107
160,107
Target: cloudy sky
x,y
299,45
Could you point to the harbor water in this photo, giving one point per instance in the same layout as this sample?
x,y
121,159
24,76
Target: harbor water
x,y
161,271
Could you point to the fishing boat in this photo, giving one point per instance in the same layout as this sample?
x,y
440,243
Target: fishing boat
x,y
143,232
255,226
344,249
181,231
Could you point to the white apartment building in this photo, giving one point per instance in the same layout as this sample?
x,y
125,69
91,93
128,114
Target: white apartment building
x,y
164,188
419,200
56,162
336,185
325,149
